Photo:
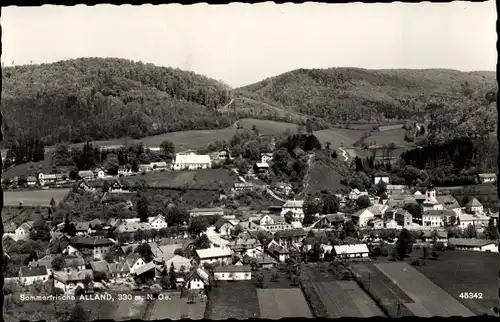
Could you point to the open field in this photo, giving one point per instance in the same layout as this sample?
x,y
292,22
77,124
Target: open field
x,y
338,137
381,288
428,299
100,309
324,174
196,179
233,300
282,303
346,299
331,297
30,168
466,271
177,308
395,136
130,309
189,199
266,127
34,197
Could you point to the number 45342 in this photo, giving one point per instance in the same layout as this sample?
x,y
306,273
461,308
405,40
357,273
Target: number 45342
x,y
471,296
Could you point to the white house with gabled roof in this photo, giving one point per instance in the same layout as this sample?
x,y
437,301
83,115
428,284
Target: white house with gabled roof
x,y
212,255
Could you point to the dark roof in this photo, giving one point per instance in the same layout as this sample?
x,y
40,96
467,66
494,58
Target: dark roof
x,y
448,202
232,269
292,233
220,223
471,242
33,271
334,218
87,241
380,174
444,212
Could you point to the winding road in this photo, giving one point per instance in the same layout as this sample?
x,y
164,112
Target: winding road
x,y
344,154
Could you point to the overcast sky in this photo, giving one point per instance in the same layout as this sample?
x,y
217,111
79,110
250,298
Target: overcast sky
x,y
242,44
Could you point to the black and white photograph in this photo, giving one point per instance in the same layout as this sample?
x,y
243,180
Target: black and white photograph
x,y
246,161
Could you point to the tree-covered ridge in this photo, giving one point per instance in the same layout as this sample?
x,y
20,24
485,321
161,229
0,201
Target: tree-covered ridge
x,y
107,98
353,94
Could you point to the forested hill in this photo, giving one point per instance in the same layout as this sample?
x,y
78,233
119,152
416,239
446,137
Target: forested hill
x,y
354,94
104,98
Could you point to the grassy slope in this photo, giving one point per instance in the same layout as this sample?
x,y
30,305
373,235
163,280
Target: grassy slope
x,y
352,94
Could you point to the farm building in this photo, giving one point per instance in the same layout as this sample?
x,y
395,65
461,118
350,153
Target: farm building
x,y
206,212
46,178
277,251
295,207
145,168
402,217
29,275
474,220
117,187
31,180
232,273
159,166
69,281
438,235
212,255
99,173
95,246
450,203
178,262
290,237
352,251
473,244
24,228
191,162
380,176
125,171
225,226
487,177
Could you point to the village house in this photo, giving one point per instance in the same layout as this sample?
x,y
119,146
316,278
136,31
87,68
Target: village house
x,y
494,217
331,221
212,255
289,237
243,186
100,270
157,222
87,227
249,225
266,157
97,247
225,226
487,177
283,188
224,154
250,245
232,273
69,281
475,220
206,212
474,207
356,193
362,217
147,272
436,218
351,252
473,244
99,173
118,270
75,262
265,261
29,275
198,279
261,167
191,162
31,181
134,261
45,261
72,251
380,176
83,185
402,217
218,242
45,179
276,251
86,174
24,229
295,207
117,187
274,223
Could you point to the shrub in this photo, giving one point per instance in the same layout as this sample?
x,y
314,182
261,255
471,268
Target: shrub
x,y
451,247
434,255
384,251
416,262
440,246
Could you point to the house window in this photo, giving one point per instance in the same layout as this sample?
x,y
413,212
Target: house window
x,y
222,275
